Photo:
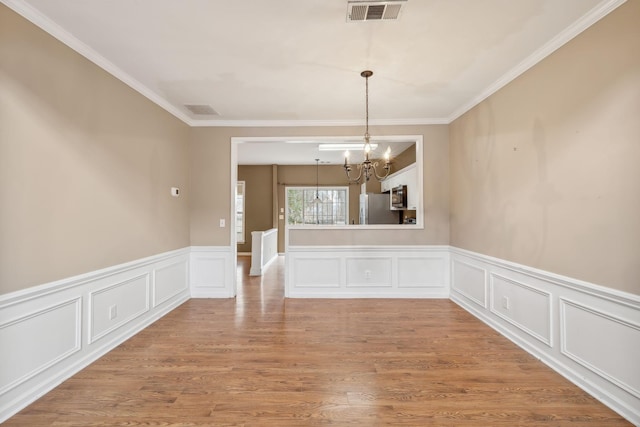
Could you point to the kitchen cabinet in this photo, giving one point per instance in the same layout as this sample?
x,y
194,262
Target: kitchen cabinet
x,y
409,177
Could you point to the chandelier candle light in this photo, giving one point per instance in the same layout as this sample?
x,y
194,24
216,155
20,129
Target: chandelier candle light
x,y
367,167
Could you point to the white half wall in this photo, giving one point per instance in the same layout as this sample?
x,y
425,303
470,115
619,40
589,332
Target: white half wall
x,y
264,250
367,272
587,333
50,332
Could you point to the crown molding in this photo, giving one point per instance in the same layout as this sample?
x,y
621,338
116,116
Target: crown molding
x,y
319,123
593,16
38,19
56,31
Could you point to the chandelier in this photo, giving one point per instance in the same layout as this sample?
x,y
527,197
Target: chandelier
x,y
367,168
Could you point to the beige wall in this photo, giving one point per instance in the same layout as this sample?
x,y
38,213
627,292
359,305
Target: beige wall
x,y
404,159
210,152
86,164
543,173
258,207
546,171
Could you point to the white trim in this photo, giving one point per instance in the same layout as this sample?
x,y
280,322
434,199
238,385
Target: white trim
x,y
454,283
564,303
264,250
41,21
60,285
91,338
47,316
212,272
56,31
610,294
77,302
593,16
545,340
319,123
597,369
233,237
366,272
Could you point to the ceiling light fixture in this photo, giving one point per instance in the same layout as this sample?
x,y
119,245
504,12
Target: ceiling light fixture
x,y
367,167
344,146
316,200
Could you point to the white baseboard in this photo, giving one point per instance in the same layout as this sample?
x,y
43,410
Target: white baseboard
x,y
367,272
52,331
213,270
587,333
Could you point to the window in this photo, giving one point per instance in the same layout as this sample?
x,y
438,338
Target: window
x,y
240,212
330,208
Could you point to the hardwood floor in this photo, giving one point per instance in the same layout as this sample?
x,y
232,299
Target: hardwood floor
x,y
261,360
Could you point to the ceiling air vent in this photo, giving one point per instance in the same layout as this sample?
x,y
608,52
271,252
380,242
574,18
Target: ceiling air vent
x,y
201,110
359,11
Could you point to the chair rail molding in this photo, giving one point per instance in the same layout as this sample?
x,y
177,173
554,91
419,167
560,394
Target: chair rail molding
x,y
588,333
70,323
544,313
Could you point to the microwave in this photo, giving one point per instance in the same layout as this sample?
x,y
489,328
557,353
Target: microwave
x,y
399,197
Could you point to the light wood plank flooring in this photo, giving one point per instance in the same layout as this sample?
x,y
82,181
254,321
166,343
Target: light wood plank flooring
x,y
261,360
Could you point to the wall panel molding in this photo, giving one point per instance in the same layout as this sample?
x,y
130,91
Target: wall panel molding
x,y
116,304
604,354
212,271
43,353
170,280
524,306
588,333
598,329
470,281
70,323
367,272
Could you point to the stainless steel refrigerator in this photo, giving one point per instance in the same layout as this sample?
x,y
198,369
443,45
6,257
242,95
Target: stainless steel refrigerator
x,y
376,209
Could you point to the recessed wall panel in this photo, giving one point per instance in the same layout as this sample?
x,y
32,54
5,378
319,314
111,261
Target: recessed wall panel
x,y
169,281
316,272
523,306
605,344
117,304
369,272
208,271
421,272
470,281
32,343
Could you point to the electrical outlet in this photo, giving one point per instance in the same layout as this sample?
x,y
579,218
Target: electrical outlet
x,y
367,274
505,303
113,312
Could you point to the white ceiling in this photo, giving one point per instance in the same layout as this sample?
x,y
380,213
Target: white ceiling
x,y
298,62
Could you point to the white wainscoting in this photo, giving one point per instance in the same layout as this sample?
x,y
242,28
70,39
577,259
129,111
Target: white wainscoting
x,y
367,272
212,271
587,333
50,332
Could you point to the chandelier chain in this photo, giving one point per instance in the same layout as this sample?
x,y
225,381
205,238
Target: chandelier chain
x,y
366,132
367,167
